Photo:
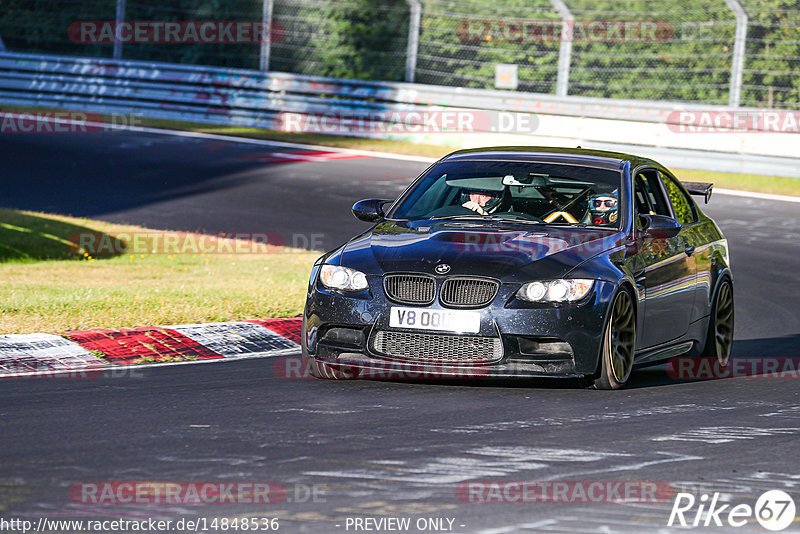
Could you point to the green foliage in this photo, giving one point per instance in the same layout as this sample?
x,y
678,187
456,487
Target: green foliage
x,y
773,54
683,210
360,39
244,55
690,60
450,54
42,25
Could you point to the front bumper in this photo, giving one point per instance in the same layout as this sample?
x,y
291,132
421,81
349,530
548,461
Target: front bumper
x,y
360,366
544,340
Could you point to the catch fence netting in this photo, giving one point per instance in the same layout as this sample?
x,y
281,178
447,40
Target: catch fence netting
x,y
682,50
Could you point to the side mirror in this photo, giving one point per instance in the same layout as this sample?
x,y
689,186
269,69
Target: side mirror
x,y
369,210
659,226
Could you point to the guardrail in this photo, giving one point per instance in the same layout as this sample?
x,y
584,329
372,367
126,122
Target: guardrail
x,y
209,94
254,98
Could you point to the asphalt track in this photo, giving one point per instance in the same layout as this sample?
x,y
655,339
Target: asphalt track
x,y
378,449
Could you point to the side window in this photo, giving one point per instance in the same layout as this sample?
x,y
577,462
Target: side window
x,y
639,198
682,204
648,186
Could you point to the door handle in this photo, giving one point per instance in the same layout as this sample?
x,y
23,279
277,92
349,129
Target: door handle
x,y
689,249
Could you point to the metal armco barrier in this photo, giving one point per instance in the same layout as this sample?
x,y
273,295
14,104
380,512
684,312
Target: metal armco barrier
x,y
225,95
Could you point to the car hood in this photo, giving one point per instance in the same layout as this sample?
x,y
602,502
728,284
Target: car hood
x,y
506,251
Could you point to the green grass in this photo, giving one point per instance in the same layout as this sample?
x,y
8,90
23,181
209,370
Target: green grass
x,y
777,185
48,283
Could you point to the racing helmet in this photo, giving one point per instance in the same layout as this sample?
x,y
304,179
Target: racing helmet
x,y
495,197
604,208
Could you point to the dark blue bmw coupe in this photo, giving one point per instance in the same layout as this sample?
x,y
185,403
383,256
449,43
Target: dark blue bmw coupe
x,y
524,261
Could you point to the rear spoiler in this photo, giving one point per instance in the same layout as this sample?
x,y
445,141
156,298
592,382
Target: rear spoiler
x,y
700,189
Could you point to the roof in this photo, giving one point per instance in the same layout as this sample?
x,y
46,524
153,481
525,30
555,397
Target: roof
x,y
579,156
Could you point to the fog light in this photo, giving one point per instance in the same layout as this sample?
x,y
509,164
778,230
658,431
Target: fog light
x,y
353,337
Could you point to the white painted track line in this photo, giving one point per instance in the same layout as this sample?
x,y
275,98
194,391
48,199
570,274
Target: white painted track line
x,y
751,194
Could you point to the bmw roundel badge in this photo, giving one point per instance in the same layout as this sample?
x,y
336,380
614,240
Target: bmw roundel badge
x,y
442,268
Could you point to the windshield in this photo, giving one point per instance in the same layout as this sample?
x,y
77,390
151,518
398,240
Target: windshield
x,y
512,190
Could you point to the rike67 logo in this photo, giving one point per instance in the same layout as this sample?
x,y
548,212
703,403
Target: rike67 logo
x,y
774,510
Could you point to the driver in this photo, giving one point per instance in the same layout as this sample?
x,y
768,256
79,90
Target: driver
x,y
482,202
603,208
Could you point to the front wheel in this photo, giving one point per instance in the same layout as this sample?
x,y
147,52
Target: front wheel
x,y
719,339
619,344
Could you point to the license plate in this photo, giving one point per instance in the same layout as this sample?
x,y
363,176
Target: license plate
x,y
425,319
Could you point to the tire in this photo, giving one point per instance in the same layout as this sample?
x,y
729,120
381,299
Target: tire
x,y
719,339
619,344
308,361
329,372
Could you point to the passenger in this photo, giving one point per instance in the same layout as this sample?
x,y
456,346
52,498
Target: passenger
x,y
604,209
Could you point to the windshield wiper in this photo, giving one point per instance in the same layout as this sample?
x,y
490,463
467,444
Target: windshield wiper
x,y
519,221
475,217
581,225
487,218
576,225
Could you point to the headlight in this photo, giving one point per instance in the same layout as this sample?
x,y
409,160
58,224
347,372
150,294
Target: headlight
x,y
337,277
555,290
